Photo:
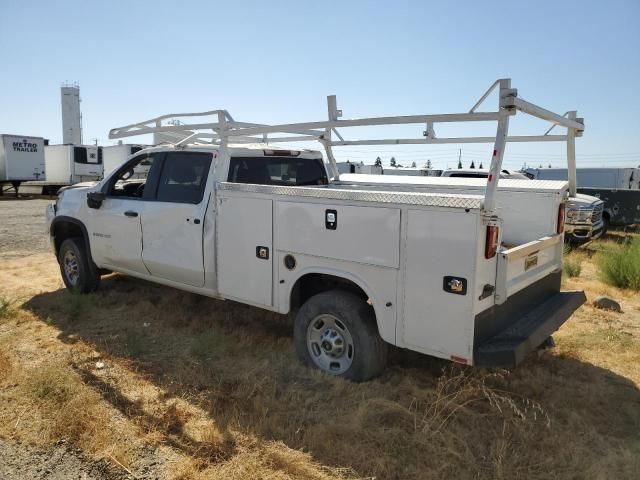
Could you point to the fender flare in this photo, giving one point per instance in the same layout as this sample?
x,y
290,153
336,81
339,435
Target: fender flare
x,y
85,234
375,304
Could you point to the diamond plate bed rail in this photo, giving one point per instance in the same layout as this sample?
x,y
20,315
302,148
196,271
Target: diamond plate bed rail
x,y
403,198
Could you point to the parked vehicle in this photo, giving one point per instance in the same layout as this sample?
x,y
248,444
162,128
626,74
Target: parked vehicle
x,y
618,188
602,178
443,273
412,171
355,167
21,160
115,155
480,173
621,207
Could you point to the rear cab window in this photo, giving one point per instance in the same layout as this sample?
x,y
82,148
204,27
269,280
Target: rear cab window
x,y
288,171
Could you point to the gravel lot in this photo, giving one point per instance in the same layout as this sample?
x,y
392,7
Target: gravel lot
x,y
20,461
22,233
22,227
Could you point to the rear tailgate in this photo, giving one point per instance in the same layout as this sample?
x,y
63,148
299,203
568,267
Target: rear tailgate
x,y
529,305
521,266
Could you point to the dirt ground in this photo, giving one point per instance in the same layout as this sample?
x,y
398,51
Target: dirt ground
x,y
22,227
142,381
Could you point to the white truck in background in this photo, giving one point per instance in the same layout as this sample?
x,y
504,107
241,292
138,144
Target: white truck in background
x,y
224,213
480,173
412,171
21,160
358,167
614,178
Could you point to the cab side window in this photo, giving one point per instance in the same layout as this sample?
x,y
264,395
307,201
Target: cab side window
x,y
184,177
131,180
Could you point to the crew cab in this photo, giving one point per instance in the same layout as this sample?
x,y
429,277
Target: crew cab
x,y
359,267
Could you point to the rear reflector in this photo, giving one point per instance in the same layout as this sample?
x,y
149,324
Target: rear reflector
x,y
560,225
491,245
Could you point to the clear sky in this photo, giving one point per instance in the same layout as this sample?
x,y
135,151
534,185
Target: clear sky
x,y
275,61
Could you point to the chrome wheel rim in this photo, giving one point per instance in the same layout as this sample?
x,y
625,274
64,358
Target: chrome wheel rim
x,y
330,344
70,265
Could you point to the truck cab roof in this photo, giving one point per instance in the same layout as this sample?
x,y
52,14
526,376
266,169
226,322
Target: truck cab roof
x,y
240,150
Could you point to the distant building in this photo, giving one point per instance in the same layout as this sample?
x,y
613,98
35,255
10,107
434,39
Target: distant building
x,y
71,116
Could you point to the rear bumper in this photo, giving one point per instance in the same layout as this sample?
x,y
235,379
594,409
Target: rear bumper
x,y
506,333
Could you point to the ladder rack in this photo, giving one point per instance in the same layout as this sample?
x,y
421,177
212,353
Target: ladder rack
x,y
225,130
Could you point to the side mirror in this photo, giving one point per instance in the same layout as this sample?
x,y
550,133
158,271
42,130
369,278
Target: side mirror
x,y
95,199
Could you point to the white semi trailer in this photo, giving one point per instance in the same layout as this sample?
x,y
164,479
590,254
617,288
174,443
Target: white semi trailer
x,y
69,164
115,155
21,160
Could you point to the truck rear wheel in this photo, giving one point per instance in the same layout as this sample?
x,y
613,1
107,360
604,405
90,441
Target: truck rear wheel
x,y
336,332
75,267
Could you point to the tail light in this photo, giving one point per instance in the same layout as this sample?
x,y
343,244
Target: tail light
x,y
281,153
491,245
560,225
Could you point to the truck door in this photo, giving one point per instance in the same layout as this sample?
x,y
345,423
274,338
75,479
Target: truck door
x,y
244,253
172,225
115,230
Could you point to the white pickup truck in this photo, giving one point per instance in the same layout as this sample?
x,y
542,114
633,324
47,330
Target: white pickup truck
x,y
440,272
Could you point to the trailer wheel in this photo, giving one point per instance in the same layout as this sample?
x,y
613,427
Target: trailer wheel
x,y
336,332
77,274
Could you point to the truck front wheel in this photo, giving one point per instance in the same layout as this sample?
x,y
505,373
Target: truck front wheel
x,y
336,332
77,274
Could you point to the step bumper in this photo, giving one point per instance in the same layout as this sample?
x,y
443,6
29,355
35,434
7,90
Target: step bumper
x,y
510,346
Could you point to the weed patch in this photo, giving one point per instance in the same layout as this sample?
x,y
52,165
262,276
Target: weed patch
x,y
6,307
620,266
571,267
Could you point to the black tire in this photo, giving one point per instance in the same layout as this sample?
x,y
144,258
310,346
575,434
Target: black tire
x,y
81,276
605,223
353,322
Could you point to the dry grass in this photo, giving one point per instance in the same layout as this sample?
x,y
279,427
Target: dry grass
x,y
5,366
215,391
